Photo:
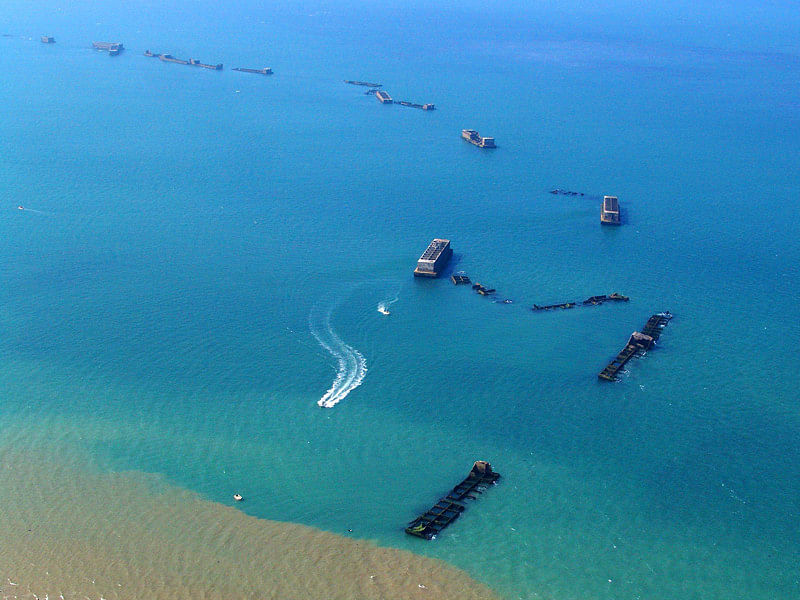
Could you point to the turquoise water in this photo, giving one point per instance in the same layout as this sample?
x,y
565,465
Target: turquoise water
x,y
186,233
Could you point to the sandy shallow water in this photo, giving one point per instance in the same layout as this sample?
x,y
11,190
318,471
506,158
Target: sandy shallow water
x,y
76,532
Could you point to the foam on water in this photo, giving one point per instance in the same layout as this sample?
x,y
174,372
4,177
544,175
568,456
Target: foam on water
x,y
351,364
383,307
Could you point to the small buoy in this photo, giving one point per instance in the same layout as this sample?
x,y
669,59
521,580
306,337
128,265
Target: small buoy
x,y
237,497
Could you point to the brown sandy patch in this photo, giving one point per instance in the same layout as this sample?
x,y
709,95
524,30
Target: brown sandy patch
x,y
77,533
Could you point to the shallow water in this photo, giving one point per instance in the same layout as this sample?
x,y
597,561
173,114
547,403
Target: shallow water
x,y
185,233
73,532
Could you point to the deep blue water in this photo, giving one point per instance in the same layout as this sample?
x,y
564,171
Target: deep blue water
x,y
186,231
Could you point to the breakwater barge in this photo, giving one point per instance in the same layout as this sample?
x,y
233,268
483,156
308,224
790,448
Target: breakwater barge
x,y
609,213
383,97
192,62
427,106
264,71
167,58
434,259
448,509
639,343
474,138
196,63
113,48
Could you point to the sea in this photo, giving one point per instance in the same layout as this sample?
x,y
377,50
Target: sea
x,y
196,266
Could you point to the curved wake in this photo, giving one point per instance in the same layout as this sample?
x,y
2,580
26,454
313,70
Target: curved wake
x,y
383,307
351,364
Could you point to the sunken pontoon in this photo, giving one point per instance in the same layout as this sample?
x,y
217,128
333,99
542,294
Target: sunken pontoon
x,y
264,71
563,305
434,259
639,343
482,289
460,278
364,83
590,301
609,214
449,508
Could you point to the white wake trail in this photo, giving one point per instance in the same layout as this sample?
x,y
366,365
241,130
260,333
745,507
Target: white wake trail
x,y
383,307
351,364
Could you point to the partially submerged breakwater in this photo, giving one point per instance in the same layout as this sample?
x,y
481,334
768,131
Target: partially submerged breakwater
x,y
264,71
385,98
639,343
590,301
476,139
113,48
192,62
363,83
436,256
560,192
442,514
